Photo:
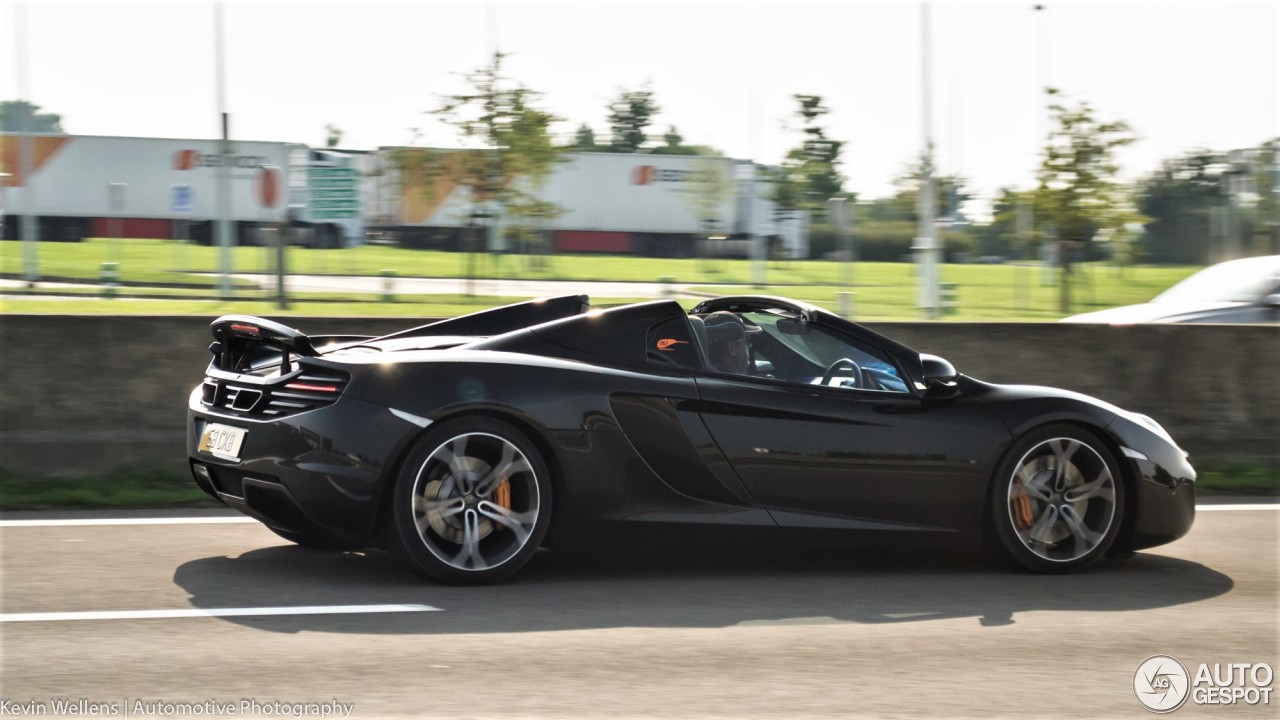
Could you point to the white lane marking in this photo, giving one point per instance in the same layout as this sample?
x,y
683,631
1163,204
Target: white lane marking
x,y
129,521
213,612
1255,506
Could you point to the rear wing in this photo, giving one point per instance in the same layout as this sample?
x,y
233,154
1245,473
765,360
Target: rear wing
x,y
242,341
501,320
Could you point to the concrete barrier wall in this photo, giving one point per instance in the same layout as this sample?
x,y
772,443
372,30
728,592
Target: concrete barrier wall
x,y
89,394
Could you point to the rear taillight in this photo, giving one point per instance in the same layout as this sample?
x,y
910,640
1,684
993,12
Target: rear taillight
x,y
312,388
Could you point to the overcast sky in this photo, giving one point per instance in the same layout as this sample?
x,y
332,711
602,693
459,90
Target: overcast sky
x,y
1184,75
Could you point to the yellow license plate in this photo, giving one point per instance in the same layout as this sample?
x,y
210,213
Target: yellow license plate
x,y
222,441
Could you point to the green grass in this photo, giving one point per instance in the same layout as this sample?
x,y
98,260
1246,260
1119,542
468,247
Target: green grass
x,y
881,291
1221,477
121,489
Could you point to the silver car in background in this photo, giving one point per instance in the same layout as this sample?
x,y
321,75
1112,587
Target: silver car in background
x,y
1236,291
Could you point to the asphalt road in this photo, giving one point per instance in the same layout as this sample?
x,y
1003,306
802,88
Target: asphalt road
x,y
699,628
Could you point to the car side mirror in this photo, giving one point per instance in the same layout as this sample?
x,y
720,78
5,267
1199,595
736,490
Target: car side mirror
x,y
938,373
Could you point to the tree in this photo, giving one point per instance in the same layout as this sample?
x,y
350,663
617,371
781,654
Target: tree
x,y
1265,217
673,144
785,193
813,166
332,136
629,115
516,150
949,192
22,116
1001,235
1180,198
710,187
584,139
1078,194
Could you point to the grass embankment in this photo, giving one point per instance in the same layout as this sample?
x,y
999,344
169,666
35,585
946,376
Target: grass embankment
x,y
121,489
165,277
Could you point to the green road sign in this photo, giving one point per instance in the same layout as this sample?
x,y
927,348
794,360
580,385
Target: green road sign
x,y
334,193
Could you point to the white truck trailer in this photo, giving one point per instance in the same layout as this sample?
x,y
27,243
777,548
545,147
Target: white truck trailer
x,y
664,205
95,186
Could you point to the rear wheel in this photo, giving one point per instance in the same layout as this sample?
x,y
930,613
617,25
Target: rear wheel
x,y
1058,502
472,503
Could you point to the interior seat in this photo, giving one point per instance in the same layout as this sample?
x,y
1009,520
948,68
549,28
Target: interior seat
x,y
700,338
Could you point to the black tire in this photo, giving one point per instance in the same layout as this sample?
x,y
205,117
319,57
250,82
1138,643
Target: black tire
x,y
310,542
472,502
1057,502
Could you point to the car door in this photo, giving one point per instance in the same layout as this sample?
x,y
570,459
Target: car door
x,y
844,456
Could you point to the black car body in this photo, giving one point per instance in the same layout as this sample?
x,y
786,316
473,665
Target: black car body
x,y
456,444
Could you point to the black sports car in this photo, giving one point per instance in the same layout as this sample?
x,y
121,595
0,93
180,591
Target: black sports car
x,y
457,445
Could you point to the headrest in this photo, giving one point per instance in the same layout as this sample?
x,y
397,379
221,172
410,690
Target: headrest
x,y
724,326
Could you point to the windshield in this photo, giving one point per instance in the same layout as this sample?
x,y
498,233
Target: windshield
x,y
788,350
1246,280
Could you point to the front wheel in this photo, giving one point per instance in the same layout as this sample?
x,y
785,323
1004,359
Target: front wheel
x,y
472,502
1058,502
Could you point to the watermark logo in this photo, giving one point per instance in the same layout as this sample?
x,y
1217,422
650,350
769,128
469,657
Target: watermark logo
x,y
1161,683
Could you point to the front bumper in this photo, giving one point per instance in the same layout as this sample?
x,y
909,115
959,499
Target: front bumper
x,y
319,473
1164,506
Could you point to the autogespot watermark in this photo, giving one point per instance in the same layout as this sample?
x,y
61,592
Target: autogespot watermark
x,y
1163,684
142,707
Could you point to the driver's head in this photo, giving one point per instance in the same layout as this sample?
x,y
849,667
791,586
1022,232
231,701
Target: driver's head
x,y
728,346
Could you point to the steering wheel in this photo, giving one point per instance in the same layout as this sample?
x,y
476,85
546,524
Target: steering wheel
x,y
847,364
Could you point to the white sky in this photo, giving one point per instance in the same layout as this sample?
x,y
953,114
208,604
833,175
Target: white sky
x,y
1184,75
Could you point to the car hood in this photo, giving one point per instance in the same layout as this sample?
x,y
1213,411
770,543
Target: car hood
x,y
997,392
1151,313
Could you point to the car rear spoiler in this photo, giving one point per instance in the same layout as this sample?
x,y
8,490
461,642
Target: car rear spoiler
x,y
237,338
500,320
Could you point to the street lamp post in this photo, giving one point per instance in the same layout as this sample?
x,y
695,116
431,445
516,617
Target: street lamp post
x,y
926,246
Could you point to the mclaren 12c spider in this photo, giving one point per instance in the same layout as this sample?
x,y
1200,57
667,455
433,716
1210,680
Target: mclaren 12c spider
x,y
459,444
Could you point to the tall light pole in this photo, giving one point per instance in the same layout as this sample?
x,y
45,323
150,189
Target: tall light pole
x,y
223,221
1042,85
29,220
926,235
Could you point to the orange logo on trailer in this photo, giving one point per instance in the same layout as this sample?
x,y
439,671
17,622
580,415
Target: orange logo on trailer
x,y
41,149
668,343
185,159
644,175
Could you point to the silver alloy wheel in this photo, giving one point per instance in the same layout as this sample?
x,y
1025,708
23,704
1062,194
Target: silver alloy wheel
x,y
1061,499
475,501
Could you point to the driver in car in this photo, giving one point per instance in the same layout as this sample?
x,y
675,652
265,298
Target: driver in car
x,y
728,344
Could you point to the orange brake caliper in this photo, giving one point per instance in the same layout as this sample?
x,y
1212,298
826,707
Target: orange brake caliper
x,y
1022,507
502,496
